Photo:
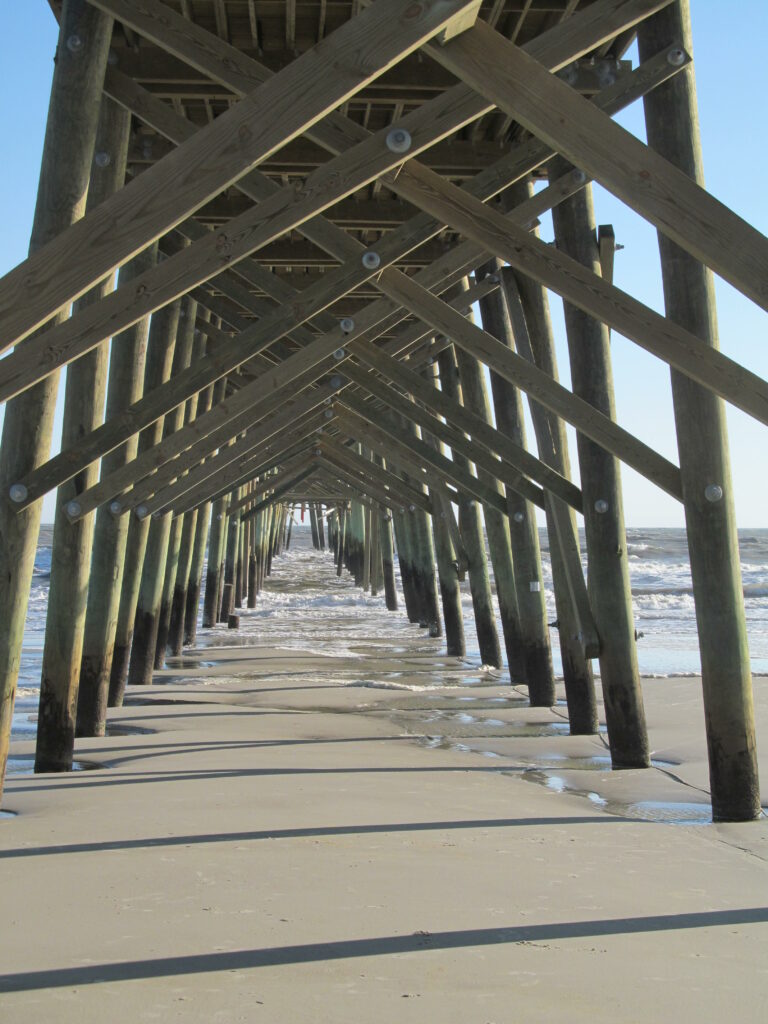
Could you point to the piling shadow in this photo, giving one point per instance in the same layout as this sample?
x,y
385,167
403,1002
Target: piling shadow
x,y
298,833
385,945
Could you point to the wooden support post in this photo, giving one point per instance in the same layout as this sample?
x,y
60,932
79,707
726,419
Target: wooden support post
x,y
377,577
388,562
404,561
475,398
532,328
472,537
447,560
155,587
196,405
320,526
160,350
343,516
671,118
357,541
230,558
215,554
367,550
72,541
239,564
313,526
202,533
28,423
529,581
610,596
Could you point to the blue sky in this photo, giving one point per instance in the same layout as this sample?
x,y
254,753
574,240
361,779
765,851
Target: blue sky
x,y
732,80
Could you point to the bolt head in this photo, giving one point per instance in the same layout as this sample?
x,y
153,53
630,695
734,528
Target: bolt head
x,y
18,493
601,506
713,493
102,159
371,260
74,43
73,509
142,511
339,354
328,414
519,517
676,57
115,507
336,381
347,325
399,140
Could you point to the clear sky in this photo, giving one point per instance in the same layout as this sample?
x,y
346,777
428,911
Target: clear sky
x,y
732,79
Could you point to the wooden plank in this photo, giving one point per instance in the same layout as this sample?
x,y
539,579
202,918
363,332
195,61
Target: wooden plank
x,y
587,290
530,379
463,259
282,107
643,179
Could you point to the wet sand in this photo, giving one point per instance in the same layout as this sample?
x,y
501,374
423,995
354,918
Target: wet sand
x,y
276,835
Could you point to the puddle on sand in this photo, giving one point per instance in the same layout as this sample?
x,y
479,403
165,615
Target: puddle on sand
x,y
191,663
7,814
21,764
116,729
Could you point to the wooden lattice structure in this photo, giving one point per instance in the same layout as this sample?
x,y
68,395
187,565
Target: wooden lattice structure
x,y
308,198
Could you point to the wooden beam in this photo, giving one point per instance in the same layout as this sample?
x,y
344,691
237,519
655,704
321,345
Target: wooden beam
x,y
487,184
282,107
656,189
587,290
459,419
530,379
400,446
446,433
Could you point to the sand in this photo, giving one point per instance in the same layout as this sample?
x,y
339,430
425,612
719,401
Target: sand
x,y
277,845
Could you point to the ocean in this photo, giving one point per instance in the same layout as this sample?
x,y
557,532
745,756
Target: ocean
x,y
329,614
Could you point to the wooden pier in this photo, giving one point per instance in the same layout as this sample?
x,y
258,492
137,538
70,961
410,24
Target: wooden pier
x,y
262,234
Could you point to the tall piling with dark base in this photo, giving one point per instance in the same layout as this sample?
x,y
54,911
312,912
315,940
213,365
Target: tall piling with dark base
x,y
215,551
110,538
343,516
153,577
194,586
532,327
72,537
388,562
524,536
475,398
230,559
671,118
471,529
160,350
405,561
610,595
28,424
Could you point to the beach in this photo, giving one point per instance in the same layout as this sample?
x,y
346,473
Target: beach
x,y
281,829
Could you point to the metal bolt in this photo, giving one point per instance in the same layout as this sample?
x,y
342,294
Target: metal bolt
x,y
411,508
347,325
326,401
115,507
318,451
713,493
492,278
399,140
601,506
102,159
371,260
676,57
328,414
73,509
519,517
142,511
18,493
336,381
578,176
74,43
339,354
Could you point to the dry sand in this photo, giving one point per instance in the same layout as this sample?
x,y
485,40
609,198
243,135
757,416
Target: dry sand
x,y
281,846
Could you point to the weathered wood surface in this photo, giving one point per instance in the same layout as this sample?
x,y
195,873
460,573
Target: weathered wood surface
x,y
533,381
585,289
645,180
282,107
486,184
